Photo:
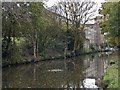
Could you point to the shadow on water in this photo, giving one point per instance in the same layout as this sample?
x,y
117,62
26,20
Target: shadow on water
x,y
56,74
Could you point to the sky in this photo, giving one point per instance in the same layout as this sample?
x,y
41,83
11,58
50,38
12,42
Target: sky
x,y
52,2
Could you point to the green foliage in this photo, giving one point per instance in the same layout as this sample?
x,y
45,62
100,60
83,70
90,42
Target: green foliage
x,y
111,19
29,30
27,27
111,74
13,55
92,47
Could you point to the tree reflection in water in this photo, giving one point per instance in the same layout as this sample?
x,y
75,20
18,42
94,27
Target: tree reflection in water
x,y
56,73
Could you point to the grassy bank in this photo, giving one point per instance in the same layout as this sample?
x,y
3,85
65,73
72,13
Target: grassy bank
x,y
111,75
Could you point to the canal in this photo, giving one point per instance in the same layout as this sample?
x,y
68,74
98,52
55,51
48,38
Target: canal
x,y
58,73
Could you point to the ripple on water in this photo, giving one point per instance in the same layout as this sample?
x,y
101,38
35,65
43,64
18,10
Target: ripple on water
x,y
55,70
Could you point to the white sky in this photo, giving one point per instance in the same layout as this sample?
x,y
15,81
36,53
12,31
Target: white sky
x,y
52,2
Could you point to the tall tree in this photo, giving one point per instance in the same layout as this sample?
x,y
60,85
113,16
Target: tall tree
x,y
10,22
110,24
77,14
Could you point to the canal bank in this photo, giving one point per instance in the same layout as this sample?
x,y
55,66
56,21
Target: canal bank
x,y
111,76
60,56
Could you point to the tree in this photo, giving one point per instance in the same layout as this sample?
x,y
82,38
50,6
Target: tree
x,y
76,14
111,22
10,27
35,25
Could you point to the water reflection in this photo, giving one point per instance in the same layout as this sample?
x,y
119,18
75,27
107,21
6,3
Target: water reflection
x,y
56,74
89,83
96,66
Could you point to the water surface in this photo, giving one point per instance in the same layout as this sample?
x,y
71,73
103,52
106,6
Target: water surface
x,y
56,73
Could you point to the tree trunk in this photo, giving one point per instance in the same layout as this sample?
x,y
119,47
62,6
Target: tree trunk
x,y
8,42
65,50
34,45
75,42
34,48
65,53
37,45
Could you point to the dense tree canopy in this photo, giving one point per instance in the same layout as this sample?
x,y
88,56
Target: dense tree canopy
x,y
28,30
110,26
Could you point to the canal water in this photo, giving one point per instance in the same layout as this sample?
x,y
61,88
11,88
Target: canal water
x,y
57,73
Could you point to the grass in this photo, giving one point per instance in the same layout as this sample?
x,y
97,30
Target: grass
x,y
111,74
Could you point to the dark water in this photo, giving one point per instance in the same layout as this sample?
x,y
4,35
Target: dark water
x,y
56,73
